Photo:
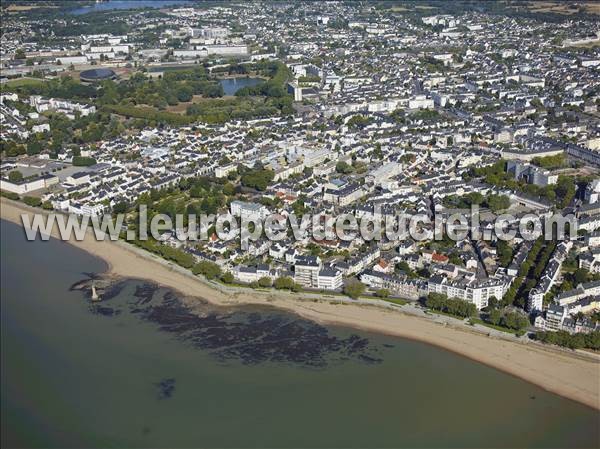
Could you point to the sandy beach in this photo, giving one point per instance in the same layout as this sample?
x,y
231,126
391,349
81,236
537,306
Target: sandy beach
x,y
569,374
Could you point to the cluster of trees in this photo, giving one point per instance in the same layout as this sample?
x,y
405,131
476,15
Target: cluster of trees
x,y
453,306
494,202
550,162
100,22
429,63
65,133
29,200
572,341
403,266
83,161
505,253
208,269
509,319
354,288
278,74
343,168
240,108
257,178
145,99
398,115
63,87
427,115
204,195
281,283
299,206
234,69
15,176
149,115
10,195
186,260
286,283
12,148
517,291
578,276
32,201
309,79
264,282
82,130
358,121
172,88
382,293
560,193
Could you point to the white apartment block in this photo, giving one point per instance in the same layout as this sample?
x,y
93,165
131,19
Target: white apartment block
x,y
248,211
475,291
306,271
329,279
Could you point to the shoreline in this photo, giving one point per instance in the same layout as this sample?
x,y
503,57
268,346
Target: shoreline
x,y
570,374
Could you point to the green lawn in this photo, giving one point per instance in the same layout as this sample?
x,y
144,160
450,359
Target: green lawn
x,y
398,301
491,326
439,312
19,82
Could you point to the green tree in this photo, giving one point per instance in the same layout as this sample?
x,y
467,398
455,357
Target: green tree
x,y
82,161
514,320
498,202
33,147
9,195
32,201
505,253
15,176
208,269
120,207
265,282
343,167
580,276
354,288
436,301
227,277
284,283
382,293
258,179
495,317
229,189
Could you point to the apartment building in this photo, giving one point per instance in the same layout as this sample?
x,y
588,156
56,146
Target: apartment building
x,y
306,271
476,291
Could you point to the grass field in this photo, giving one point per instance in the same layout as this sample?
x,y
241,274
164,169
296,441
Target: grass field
x,y
181,108
563,8
397,301
18,82
586,45
491,326
17,8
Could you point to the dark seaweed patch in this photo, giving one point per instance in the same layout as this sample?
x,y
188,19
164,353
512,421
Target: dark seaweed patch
x,y
145,292
165,388
112,291
242,334
253,337
97,309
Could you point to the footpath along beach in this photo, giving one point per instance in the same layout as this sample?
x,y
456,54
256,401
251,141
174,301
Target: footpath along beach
x,y
574,375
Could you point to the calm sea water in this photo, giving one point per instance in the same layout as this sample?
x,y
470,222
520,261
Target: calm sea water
x,y
141,370
232,85
127,4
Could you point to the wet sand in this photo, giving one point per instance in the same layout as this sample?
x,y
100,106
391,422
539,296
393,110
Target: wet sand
x,y
567,373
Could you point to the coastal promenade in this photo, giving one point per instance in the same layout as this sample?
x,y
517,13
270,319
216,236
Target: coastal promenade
x,y
571,374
